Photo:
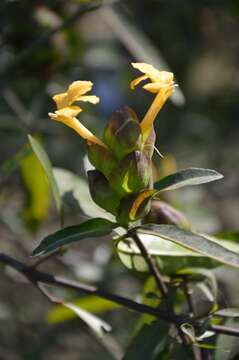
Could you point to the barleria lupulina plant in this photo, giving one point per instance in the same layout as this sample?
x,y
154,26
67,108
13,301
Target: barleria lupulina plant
x,y
154,234
122,182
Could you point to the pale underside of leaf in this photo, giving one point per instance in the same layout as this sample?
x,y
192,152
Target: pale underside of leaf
x,y
187,177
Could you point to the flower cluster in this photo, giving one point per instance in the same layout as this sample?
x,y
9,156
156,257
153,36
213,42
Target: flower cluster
x,y
122,180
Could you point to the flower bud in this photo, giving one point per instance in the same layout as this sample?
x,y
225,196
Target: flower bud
x,y
133,174
101,158
101,191
123,133
163,213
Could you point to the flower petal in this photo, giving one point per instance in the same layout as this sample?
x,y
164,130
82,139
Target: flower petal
x,y
145,68
155,87
90,98
77,89
136,81
68,112
67,116
60,100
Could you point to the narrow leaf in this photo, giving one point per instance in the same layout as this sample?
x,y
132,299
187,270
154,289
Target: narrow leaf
x,y
187,177
97,325
228,312
199,243
37,191
92,304
90,228
46,164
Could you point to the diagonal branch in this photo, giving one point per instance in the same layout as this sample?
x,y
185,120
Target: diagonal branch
x,y
36,276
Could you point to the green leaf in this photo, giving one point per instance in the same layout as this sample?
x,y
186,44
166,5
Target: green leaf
x,y
201,244
187,177
46,164
90,228
92,304
75,194
149,342
168,256
37,186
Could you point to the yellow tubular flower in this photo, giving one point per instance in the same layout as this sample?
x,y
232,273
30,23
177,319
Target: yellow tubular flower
x,y
162,84
66,112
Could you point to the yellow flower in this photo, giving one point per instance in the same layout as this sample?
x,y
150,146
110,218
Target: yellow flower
x,y
66,112
162,83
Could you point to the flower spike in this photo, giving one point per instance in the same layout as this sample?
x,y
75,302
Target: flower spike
x,y
66,112
162,84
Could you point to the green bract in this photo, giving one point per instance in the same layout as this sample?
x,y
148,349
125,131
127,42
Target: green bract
x,y
123,169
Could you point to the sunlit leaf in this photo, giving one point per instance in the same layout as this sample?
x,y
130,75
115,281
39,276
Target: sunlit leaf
x,y
97,325
46,164
187,177
91,228
37,187
92,304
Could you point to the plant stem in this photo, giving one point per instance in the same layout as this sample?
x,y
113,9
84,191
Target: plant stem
x,y
158,278
198,353
151,264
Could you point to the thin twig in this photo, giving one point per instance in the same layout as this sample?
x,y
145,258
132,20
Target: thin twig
x,y
220,329
188,295
158,278
34,276
197,352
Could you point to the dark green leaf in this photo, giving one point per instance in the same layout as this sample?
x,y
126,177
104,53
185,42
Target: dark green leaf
x,y
187,177
149,342
229,235
199,243
90,228
46,164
